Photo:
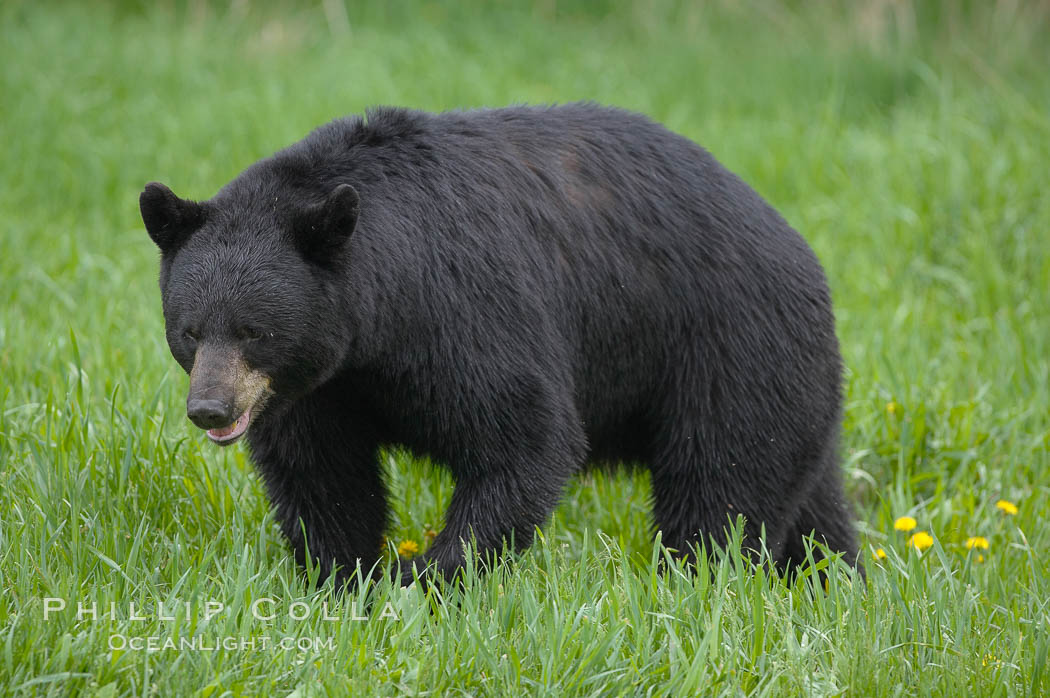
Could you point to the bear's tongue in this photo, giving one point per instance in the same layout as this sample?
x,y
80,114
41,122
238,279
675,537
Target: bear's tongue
x,y
230,432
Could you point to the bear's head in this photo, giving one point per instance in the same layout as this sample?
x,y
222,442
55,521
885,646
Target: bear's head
x,y
251,296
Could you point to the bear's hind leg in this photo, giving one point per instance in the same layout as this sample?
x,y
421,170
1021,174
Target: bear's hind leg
x,y
704,475
827,516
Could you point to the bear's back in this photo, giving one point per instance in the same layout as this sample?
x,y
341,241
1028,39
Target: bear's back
x,y
568,195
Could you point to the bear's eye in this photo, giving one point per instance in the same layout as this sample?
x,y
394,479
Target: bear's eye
x,y
191,336
250,334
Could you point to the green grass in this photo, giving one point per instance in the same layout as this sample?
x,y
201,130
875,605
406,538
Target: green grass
x,y
912,153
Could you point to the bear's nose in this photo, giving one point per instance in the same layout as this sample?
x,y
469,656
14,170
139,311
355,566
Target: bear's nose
x,y
210,414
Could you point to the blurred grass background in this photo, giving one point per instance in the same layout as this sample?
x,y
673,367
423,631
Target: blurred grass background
x,y
908,142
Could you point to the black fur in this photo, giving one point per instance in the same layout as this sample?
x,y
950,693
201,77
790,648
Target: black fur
x,y
515,292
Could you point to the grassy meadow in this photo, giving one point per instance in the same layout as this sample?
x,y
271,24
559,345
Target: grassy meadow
x,y
909,142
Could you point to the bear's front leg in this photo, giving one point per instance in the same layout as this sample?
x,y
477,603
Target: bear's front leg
x,y
509,476
320,465
505,507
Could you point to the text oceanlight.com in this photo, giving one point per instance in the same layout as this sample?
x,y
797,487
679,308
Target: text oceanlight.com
x,y
231,643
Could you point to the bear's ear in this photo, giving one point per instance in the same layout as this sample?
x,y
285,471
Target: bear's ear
x,y
169,220
324,228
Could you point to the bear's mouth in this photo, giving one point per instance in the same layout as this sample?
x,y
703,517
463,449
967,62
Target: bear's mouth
x,y
221,384
224,436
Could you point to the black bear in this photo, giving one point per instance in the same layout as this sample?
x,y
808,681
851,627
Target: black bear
x,y
514,293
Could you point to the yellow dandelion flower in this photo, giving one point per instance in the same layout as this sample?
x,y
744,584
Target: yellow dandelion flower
x,y
920,540
904,523
892,407
1006,507
407,548
979,542
880,554
980,558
